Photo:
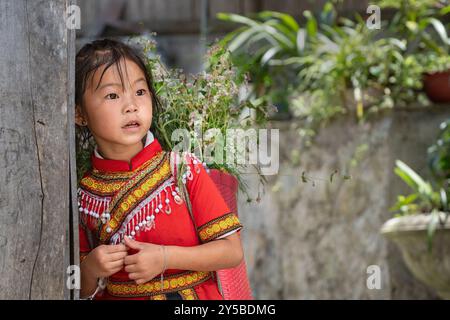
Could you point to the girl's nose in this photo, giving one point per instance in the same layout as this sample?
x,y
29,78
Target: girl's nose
x,y
131,108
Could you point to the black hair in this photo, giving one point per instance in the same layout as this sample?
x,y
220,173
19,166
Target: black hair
x,y
107,52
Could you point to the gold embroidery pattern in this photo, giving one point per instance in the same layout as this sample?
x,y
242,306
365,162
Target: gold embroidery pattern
x,y
171,283
99,187
132,193
158,297
106,184
123,175
219,226
189,294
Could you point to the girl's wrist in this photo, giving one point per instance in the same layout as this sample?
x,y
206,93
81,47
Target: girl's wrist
x,y
87,271
165,258
173,257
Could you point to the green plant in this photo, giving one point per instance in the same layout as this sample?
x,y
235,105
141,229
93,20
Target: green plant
x,y
267,47
350,70
348,56
206,105
425,199
439,156
419,23
428,197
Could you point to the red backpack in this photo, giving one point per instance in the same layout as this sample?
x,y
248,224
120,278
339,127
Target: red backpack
x,y
233,283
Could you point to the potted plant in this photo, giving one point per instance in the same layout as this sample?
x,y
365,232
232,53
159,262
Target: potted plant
x,y
205,105
421,228
268,46
437,80
420,24
336,65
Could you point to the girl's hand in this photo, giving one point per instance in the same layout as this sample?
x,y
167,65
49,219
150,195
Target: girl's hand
x,y
147,263
106,260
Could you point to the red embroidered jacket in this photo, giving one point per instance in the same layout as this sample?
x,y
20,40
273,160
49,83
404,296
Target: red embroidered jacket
x,y
142,200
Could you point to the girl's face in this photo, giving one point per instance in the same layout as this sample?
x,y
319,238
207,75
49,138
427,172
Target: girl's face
x,y
117,116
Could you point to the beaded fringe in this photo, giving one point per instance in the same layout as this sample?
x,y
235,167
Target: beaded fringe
x,y
95,210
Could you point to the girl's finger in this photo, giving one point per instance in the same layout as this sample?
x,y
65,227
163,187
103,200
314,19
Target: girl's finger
x,y
117,256
131,268
116,264
131,259
116,248
134,275
140,281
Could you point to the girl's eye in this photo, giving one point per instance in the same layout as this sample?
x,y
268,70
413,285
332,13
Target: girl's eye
x,y
111,96
140,92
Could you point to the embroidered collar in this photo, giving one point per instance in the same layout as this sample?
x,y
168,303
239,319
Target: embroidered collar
x,y
151,148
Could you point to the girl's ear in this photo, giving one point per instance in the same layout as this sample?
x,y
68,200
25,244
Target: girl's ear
x,y
79,118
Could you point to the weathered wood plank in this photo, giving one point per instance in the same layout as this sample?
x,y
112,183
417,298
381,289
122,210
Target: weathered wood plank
x,y
72,239
34,166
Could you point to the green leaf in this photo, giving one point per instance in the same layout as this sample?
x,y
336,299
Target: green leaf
x,y
284,17
440,29
240,39
445,10
301,40
283,30
412,26
431,228
311,23
444,199
278,36
412,178
231,35
404,201
269,54
232,17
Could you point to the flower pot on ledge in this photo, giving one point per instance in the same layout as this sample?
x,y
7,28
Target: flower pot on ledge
x,y
409,233
437,86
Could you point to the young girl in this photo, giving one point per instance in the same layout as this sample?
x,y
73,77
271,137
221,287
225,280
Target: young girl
x,y
137,238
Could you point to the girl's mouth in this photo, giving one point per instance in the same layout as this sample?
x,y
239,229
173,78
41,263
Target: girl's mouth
x,y
131,126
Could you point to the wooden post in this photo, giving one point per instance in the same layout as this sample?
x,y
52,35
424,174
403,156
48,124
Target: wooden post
x,y
36,105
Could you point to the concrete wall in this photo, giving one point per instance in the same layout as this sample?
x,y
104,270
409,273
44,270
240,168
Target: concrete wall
x,y
305,241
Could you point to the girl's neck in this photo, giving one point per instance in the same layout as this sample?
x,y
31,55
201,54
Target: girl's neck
x,y
120,153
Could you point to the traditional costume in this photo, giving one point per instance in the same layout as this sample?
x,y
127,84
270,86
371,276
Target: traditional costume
x,y
141,200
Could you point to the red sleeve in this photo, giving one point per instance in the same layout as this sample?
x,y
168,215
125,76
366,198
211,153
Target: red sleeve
x,y
212,216
84,243
87,238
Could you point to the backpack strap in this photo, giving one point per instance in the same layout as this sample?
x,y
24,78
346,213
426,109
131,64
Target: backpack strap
x,y
176,166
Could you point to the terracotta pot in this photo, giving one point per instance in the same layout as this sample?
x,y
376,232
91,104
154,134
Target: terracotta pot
x,y
233,282
437,86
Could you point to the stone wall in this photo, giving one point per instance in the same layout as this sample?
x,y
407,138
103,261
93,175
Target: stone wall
x,y
316,240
